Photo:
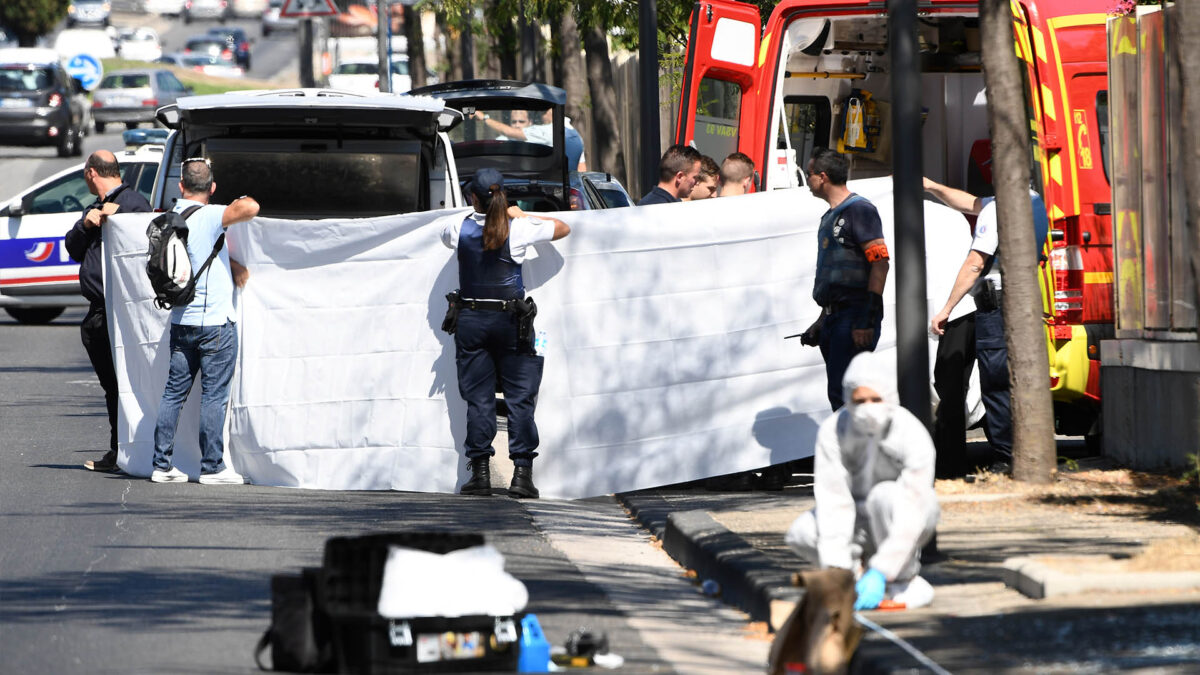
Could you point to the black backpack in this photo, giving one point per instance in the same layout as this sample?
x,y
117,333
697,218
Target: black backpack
x,y
169,267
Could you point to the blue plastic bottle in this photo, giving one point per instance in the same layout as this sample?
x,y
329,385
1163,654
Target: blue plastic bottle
x,y
535,650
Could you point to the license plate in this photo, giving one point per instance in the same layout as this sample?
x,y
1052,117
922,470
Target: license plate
x,y
15,103
121,102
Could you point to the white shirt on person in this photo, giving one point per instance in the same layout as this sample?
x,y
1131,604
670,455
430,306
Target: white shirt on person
x,y
522,233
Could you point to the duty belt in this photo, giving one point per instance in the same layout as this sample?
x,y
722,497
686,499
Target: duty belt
x,y
836,307
489,305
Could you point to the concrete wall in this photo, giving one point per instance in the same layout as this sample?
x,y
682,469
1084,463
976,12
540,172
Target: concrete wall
x,y
1151,403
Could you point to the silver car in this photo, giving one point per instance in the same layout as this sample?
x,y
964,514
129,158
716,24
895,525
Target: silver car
x,y
132,96
206,9
89,12
271,21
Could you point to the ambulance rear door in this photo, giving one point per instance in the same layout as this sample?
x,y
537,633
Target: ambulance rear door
x,y
719,106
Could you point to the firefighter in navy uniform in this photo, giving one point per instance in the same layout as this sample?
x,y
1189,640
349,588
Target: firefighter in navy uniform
x,y
852,268
492,324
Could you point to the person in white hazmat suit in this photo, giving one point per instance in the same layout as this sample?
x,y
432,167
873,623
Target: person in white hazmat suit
x,y
875,505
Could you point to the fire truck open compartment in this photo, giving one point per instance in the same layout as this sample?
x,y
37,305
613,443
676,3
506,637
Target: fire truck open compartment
x,y
836,74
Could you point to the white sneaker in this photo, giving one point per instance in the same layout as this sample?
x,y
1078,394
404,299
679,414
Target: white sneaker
x,y
171,475
914,593
226,476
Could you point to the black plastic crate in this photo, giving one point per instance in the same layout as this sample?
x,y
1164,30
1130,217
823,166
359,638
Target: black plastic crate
x,y
373,645
352,575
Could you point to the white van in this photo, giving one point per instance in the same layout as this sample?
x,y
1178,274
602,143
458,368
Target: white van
x,y
315,153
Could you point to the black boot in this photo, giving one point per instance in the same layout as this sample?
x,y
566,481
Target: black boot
x,y
522,483
481,477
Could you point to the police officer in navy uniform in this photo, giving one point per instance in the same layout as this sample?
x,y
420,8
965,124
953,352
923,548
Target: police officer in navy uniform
x,y
852,268
493,336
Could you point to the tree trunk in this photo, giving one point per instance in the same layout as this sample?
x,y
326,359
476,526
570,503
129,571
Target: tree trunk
x,y
503,42
450,54
607,134
529,47
416,46
466,39
574,79
1034,452
554,65
1186,31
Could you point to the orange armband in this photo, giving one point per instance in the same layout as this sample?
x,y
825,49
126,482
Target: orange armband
x,y
877,252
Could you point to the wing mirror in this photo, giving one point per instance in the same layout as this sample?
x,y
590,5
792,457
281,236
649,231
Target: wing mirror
x,y
13,209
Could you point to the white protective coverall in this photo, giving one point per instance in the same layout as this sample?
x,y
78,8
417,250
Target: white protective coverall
x,y
874,491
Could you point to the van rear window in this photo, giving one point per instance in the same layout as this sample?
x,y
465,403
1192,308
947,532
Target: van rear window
x,y
290,184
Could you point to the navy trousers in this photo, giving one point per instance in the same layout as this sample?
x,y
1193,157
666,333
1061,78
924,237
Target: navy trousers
x,y
487,349
951,378
837,348
992,353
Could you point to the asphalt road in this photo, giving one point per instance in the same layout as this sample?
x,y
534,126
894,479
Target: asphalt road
x,y
109,574
271,58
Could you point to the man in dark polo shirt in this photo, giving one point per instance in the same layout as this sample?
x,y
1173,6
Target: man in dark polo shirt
x,y
677,172
103,176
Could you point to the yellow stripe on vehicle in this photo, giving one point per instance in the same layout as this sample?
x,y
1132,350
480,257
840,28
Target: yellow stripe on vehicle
x,y
1054,25
1056,168
1056,213
1039,43
1097,277
762,49
1048,103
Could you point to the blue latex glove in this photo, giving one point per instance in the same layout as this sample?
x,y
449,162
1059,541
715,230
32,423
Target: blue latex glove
x,y
870,589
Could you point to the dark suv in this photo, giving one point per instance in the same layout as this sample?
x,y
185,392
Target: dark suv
x,y
237,41
39,102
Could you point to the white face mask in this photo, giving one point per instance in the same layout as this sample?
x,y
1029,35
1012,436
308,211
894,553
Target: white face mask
x,y
870,419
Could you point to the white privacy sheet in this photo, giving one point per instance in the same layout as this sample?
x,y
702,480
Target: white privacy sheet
x,y
665,359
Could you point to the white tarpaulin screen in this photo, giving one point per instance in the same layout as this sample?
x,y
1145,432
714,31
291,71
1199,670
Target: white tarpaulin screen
x,y
666,360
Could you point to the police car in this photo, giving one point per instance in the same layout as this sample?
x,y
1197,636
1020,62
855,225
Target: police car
x,y
38,279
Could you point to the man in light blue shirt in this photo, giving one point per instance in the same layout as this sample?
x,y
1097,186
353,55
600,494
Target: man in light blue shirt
x,y
203,334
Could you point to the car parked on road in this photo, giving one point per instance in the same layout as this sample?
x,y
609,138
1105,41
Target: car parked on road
x,y
237,41
271,21
88,12
38,279
315,153
39,103
357,75
139,44
206,9
536,171
249,8
208,64
163,7
610,189
132,96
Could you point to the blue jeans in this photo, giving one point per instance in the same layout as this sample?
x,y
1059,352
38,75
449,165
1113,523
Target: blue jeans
x,y
212,350
992,352
486,348
837,347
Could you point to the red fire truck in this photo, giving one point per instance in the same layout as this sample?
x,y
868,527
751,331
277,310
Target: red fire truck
x,y
817,73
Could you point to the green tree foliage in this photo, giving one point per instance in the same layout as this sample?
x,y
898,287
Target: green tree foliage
x,y
31,19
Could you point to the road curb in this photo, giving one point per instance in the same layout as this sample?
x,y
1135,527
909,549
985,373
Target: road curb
x,y
695,540
1036,579
699,543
